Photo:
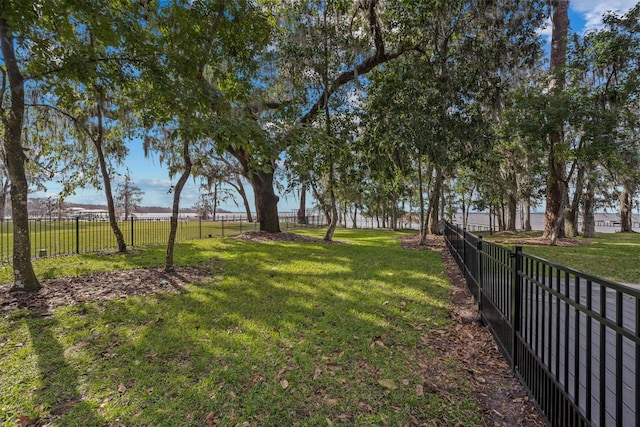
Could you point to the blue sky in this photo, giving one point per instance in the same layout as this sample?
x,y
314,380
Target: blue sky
x,y
153,179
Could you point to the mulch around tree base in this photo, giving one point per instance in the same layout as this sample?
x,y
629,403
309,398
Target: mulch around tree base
x,y
502,399
67,291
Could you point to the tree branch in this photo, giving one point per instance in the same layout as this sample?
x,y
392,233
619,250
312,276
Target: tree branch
x,y
76,121
71,65
347,76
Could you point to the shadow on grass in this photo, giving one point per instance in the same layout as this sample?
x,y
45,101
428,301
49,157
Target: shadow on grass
x,y
60,393
331,320
281,334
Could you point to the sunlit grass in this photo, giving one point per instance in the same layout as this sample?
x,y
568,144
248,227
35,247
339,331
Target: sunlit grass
x,y
283,334
613,256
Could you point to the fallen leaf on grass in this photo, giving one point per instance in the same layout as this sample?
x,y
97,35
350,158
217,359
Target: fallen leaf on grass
x,y
317,373
23,420
280,373
211,419
122,388
284,384
419,390
388,384
378,343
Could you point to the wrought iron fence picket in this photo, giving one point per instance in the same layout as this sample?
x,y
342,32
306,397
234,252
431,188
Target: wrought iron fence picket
x,y
574,339
66,236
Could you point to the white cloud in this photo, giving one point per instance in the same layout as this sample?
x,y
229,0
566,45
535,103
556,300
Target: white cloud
x,y
592,10
545,30
156,192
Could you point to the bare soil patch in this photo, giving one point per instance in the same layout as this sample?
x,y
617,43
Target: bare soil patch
x,y
515,238
95,287
263,236
503,401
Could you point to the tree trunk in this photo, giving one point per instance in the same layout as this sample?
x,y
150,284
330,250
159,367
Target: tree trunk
x,y
500,217
512,207
571,214
168,260
327,117
556,167
464,211
423,228
98,143
328,236
558,229
24,278
262,183
324,207
511,210
266,201
553,219
434,203
527,214
589,222
239,187
394,214
490,220
302,210
625,210
355,216
122,246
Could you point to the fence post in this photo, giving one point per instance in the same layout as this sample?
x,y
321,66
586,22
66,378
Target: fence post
x,y
77,234
223,227
479,272
132,232
200,225
516,299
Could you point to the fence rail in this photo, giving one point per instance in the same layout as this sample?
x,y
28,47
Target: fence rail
x,y
573,339
66,236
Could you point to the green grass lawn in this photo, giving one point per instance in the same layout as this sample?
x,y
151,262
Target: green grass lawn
x,y
290,333
68,236
613,256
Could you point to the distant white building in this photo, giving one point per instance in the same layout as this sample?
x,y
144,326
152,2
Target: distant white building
x,y
88,214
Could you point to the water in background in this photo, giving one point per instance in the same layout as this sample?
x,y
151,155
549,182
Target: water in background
x,y
605,222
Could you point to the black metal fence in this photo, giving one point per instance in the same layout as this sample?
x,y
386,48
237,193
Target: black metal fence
x,y
573,339
66,236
